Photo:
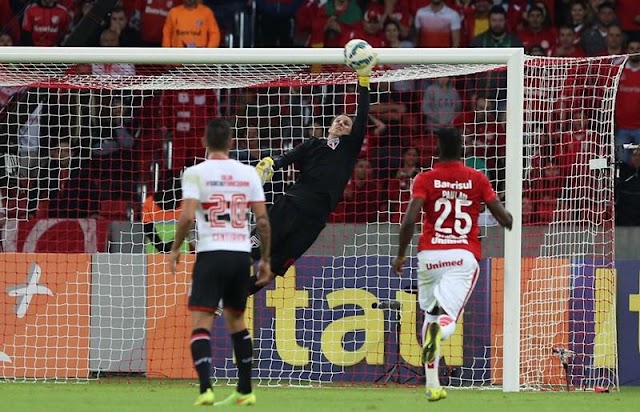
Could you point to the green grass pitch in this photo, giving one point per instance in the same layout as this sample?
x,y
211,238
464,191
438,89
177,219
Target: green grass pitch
x,y
172,396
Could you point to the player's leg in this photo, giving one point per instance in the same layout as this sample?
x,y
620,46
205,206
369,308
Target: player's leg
x,y
455,287
235,298
280,216
205,294
429,275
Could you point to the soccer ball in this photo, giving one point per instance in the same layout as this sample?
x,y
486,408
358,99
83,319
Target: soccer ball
x,y
358,54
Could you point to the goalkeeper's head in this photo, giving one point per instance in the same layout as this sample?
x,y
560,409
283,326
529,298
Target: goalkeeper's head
x,y
449,144
341,126
218,136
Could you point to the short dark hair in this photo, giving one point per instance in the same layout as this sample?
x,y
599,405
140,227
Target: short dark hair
x,y
536,8
607,5
449,143
218,134
498,10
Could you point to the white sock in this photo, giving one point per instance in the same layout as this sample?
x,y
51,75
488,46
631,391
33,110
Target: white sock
x,y
431,373
431,370
447,326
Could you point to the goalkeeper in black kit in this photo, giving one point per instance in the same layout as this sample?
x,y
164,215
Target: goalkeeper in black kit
x,y
325,165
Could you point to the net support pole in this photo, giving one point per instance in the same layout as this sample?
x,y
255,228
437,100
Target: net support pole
x,y
513,238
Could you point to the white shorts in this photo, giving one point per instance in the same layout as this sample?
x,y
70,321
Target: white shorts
x,y
446,278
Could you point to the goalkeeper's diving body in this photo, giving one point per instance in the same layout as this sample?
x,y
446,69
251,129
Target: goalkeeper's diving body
x,y
325,165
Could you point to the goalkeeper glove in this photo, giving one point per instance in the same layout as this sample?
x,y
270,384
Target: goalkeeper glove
x,y
364,73
265,169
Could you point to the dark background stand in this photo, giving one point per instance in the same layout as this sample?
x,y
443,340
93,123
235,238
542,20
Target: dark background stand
x,y
393,373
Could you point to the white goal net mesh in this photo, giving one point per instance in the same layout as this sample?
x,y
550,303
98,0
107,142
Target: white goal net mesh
x,y
90,185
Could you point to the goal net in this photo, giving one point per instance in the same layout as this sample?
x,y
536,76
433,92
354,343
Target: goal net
x,y
90,186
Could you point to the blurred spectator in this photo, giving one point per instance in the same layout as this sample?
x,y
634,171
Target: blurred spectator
x,y
161,207
410,166
441,104
627,192
536,50
110,38
567,46
576,145
153,14
48,173
593,7
394,10
248,149
190,25
392,39
115,133
182,117
536,32
615,41
338,15
629,16
83,9
497,35
45,23
437,25
484,136
119,23
593,40
9,20
578,18
274,22
5,40
361,199
476,20
369,29
627,114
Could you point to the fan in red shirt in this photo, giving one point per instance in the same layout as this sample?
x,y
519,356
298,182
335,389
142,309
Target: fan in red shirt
x,y
45,23
369,29
627,113
567,46
153,13
451,195
536,32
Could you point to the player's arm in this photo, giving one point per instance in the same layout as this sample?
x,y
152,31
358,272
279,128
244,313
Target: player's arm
x,y
407,228
362,114
268,165
490,198
501,214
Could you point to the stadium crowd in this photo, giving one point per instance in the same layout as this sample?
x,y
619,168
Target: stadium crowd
x,y
126,135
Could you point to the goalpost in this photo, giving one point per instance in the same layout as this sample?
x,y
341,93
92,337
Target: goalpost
x,y
543,317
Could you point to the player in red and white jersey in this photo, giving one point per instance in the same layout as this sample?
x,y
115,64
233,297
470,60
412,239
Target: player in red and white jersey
x,y
451,195
218,193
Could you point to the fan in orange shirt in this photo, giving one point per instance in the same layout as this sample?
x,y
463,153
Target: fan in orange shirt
x,y
191,25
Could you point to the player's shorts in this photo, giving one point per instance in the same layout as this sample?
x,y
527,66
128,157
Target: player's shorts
x,y
446,278
292,233
220,275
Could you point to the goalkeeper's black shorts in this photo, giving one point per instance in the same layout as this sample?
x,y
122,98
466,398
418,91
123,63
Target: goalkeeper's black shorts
x,y
292,233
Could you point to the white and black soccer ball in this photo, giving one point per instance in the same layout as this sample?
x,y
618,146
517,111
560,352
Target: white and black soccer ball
x,y
358,54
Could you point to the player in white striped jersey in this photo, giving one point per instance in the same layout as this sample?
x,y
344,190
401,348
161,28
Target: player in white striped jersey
x,y
218,194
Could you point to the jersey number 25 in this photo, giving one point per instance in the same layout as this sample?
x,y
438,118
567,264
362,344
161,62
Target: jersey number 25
x,y
462,220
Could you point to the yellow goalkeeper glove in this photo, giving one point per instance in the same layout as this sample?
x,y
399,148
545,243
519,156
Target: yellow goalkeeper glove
x,y
265,169
364,73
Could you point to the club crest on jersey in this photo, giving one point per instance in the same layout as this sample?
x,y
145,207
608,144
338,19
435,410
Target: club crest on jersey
x,y
333,143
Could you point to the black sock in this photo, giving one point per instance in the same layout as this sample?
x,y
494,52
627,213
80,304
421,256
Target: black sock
x,y
243,349
201,354
252,285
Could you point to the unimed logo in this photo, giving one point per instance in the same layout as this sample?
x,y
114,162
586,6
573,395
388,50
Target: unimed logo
x,y
444,264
